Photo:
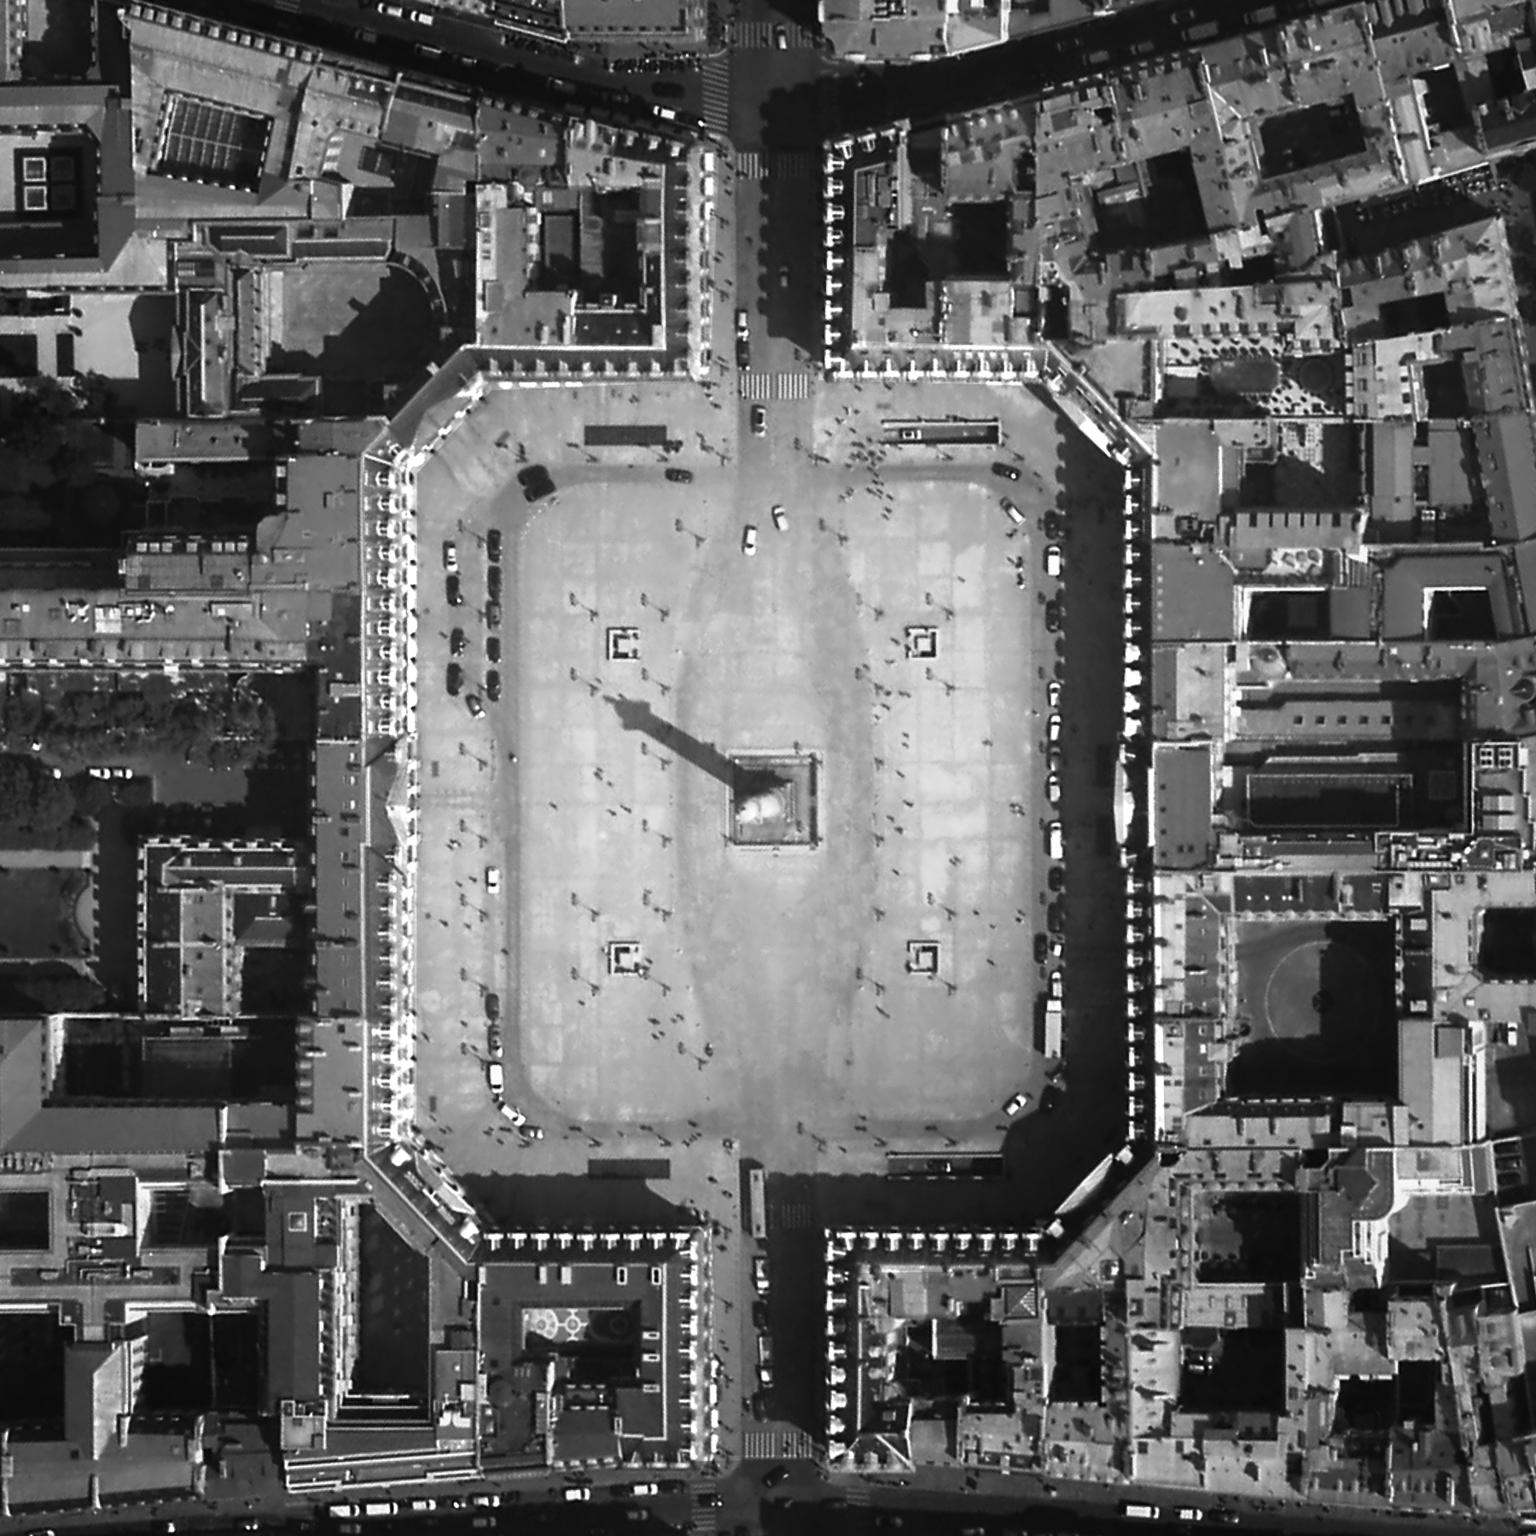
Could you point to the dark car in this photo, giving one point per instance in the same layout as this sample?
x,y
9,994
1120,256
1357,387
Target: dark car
x,y
1006,471
493,615
493,686
775,1475
1055,525
674,1485
743,353
493,649
457,642
680,476
493,583
493,1006
1056,878
455,679
455,592
759,1406
493,544
1042,948
1053,918
709,1500
1050,1097
759,1314
1053,615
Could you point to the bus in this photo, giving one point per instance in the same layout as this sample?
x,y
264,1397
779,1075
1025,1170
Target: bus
x,y
757,1205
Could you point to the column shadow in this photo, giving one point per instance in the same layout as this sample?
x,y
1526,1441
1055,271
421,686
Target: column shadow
x,y
637,715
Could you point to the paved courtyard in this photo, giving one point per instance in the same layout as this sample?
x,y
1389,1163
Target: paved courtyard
x,y
776,996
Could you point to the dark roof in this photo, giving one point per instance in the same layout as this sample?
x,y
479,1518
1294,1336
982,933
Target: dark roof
x,y
1181,805
1191,594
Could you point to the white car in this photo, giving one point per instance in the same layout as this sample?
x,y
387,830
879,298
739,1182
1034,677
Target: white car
x,y
780,521
1014,515
760,1275
743,325
780,38
450,556
1053,694
514,1114
576,1495
1053,789
749,539
496,1076
1015,1104
644,1490
1053,559
1053,729
492,878
423,18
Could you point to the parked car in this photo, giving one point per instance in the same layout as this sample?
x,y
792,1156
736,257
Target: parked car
x,y
493,1006
455,679
450,555
1053,729
493,686
493,583
1053,561
1055,525
475,707
455,592
493,649
743,325
760,1275
1005,471
759,421
1055,877
492,621
1053,694
1042,948
457,643
1053,788
493,878
1014,515
514,1114
1053,615
496,1076
749,539
493,544
1015,1104
493,1044
680,476
780,520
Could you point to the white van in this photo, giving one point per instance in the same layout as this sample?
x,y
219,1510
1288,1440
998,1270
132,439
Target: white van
x,y
1053,843
496,1076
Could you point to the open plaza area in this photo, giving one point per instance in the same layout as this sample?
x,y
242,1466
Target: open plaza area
x,y
870,984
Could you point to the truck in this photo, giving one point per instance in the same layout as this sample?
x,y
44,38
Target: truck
x,y
1052,1042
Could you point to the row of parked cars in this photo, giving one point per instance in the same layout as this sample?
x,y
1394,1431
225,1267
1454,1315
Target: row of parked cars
x,y
458,641
495,1049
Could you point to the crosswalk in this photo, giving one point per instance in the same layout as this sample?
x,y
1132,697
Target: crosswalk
x,y
791,1216
704,1516
777,1445
775,386
753,166
717,94
760,34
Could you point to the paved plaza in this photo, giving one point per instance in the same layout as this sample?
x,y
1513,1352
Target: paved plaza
x,y
775,1004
